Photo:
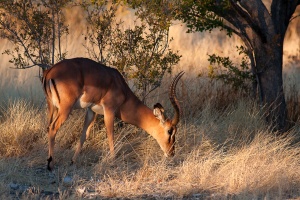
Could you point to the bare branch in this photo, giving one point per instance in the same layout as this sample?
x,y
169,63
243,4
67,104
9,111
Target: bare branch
x,y
27,67
17,37
247,11
43,66
231,29
151,90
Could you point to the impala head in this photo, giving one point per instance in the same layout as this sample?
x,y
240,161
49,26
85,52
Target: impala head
x,y
167,127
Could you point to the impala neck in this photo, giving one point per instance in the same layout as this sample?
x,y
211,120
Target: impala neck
x,y
138,114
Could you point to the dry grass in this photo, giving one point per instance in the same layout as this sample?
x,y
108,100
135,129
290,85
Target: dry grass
x,y
21,126
224,151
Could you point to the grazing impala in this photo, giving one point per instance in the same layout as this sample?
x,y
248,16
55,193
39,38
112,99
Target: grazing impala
x,y
83,83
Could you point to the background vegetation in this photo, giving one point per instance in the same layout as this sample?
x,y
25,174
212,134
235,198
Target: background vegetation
x,y
224,149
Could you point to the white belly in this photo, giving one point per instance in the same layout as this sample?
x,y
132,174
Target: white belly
x,y
82,104
97,109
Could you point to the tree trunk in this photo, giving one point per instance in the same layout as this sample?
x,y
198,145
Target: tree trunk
x,y
269,70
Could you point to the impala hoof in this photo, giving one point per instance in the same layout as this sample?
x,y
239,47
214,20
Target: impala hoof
x,y
50,163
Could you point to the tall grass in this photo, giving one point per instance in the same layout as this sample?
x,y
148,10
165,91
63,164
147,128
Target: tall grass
x,y
224,150
20,128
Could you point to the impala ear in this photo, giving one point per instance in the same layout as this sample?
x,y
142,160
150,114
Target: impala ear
x,y
158,112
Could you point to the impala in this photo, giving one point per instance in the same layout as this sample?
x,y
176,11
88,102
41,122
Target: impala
x,y
83,83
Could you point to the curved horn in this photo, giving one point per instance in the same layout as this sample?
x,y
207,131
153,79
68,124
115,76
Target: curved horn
x,y
173,99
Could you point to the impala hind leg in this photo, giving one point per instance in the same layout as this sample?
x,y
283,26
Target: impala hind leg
x,y
88,123
52,113
58,120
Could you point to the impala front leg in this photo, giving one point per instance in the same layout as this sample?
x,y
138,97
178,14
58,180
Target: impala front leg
x,y
109,117
88,123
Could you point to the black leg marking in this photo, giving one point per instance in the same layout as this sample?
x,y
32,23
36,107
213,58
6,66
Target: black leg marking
x,y
49,161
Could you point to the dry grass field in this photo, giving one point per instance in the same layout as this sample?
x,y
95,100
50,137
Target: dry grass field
x,y
223,151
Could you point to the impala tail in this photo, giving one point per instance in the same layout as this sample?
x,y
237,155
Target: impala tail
x,y
53,94
53,98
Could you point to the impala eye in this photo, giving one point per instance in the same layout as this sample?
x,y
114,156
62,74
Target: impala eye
x,y
170,131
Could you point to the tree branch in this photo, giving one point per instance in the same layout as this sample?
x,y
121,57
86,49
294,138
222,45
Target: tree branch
x,y
230,20
282,13
15,34
235,20
240,23
248,10
27,67
151,90
43,66
232,29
